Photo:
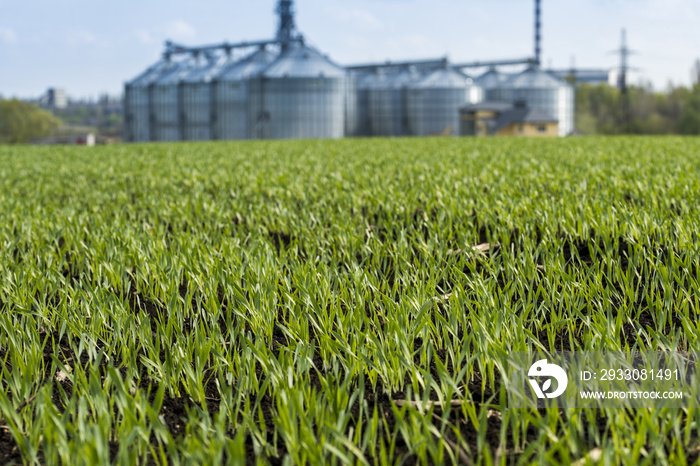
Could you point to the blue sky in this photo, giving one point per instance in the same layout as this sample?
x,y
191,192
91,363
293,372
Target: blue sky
x,y
93,46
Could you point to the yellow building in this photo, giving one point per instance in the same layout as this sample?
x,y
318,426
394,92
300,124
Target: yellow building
x,y
504,119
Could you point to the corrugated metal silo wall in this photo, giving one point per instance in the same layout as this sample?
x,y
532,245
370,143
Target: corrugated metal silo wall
x,y
364,126
230,119
476,94
196,110
435,111
136,114
567,104
165,112
297,108
387,112
352,122
499,95
490,95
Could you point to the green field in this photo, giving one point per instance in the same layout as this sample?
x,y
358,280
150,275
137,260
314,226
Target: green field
x,y
325,302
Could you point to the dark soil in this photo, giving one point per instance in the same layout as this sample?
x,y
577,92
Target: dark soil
x,y
9,451
174,414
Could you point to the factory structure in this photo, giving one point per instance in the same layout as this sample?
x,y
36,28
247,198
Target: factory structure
x,y
283,88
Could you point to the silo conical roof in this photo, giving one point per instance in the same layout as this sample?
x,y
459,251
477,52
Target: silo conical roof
x,y
206,71
152,74
445,78
378,79
535,78
247,66
175,74
405,77
382,79
302,61
492,78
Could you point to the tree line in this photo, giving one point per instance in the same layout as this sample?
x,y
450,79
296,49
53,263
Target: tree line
x,y
601,109
21,122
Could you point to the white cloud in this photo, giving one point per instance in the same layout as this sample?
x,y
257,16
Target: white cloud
x,y
144,36
180,29
7,35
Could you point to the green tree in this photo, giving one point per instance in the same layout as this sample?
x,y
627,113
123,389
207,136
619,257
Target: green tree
x,y
597,109
20,122
676,110
690,119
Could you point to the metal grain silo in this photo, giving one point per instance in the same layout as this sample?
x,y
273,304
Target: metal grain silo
x,y
196,99
137,127
165,117
433,103
386,101
541,91
231,95
362,101
302,94
491,79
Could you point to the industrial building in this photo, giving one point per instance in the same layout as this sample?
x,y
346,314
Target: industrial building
x,y
505,119
54,99
283,88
